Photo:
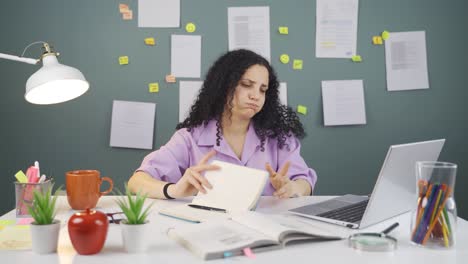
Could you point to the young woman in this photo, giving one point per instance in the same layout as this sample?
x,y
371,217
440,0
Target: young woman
x,y
238,118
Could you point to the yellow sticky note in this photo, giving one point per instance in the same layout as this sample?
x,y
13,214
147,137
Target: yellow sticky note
x,y
153,87
385,35
356,58
297,64
149,41
284,58
127,15
21,177
5,223
377,40
123,8
190,27
123,60
302,109
170,78
283,30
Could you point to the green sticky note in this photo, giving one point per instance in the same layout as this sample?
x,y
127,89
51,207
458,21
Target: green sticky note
x,y
302,109
21,177
385,35
297,64
283,30
356,58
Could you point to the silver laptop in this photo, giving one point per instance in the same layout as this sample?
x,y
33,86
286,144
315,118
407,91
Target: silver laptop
x,y
393,194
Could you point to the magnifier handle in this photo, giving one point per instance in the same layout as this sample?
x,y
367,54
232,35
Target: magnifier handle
x,y
390,228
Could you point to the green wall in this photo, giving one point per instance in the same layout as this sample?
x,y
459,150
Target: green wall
x,y
91,35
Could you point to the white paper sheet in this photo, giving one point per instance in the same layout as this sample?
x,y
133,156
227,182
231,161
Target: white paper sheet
x,y
186,56
283,93
132,124
249,28
159,13
188,92
406,61
343,103
336,28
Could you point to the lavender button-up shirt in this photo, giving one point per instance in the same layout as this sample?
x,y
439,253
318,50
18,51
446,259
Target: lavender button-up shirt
x,y
186,149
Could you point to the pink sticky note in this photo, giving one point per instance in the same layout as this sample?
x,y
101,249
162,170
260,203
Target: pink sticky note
x,y
248,252
24,221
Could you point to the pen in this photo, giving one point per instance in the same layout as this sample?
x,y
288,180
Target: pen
x,y
207,208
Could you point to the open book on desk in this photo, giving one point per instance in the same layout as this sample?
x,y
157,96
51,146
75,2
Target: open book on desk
x,y
259,232
235,189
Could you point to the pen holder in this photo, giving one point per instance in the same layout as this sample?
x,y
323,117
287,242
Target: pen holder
x,y
433,221
24,196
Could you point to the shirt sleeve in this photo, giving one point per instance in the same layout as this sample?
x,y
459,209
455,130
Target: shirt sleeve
x,y
298,168
169,162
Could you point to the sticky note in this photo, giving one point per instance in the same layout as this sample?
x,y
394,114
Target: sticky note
x,y
149,41
227,254
24,221
123,8
297,64
302,109
7,222
385,35
21,177
356,58
127,15
284,58
153,87
170,79
248,253
283,30
377,40
190,27
123,60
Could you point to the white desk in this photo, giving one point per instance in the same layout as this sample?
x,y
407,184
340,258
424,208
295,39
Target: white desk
x,y
163,250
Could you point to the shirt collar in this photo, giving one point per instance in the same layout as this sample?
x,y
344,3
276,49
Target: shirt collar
x,y
208,138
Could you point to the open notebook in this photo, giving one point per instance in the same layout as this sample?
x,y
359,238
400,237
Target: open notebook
x,y
258,232
235,189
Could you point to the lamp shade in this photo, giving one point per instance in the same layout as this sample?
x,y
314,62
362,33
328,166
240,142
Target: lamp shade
x,y
55,83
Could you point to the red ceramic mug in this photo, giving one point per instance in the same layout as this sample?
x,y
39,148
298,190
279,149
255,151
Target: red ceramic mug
x,y
84,188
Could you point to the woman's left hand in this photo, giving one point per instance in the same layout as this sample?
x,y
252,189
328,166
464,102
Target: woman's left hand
x,y
284,187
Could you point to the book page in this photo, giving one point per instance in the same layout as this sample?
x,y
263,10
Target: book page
x,y
235,188
211,239
280,226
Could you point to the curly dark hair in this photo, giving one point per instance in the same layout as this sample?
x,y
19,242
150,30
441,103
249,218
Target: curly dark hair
x,y
274,120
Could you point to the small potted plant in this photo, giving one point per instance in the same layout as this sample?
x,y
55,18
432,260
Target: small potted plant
x,y
45,228
135,225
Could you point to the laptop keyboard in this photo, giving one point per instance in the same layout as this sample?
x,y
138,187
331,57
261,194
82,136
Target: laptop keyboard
x,y
352,213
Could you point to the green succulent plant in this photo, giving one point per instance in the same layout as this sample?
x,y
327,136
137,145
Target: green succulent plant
x,y
43,208
132,207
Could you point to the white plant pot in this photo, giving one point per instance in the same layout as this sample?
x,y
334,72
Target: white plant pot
x,y
133,237
45,237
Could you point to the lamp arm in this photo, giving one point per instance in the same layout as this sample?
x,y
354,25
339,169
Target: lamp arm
x,y
16,58
23,59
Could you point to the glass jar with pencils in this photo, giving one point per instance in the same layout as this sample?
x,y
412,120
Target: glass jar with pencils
x,y
434,219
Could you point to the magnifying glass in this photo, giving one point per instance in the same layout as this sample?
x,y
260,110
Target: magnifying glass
x,y
374,241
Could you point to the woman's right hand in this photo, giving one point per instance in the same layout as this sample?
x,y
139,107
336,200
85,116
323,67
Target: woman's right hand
x,y
193,181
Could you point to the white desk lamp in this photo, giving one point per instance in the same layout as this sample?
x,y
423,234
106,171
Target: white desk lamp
x,y
54,82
